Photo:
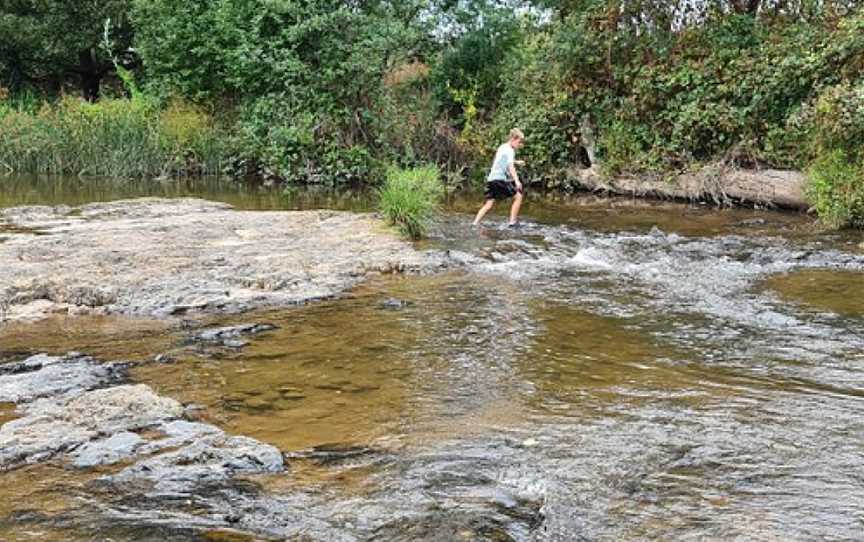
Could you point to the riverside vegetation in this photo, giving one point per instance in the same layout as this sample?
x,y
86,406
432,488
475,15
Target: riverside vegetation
x,y
332,92
410,197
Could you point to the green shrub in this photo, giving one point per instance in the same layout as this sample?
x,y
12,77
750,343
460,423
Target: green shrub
x,y
836,190
410,197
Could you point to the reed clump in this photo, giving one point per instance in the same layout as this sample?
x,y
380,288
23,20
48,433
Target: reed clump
x,y
115,137
410,198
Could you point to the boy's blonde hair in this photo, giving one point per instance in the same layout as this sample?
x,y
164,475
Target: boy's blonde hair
x,y
516,133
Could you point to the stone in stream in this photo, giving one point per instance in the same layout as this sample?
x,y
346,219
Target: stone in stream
x,y
164,358
226,337
43,375
392,303
751,222
212,458
225,334
58,424
61,416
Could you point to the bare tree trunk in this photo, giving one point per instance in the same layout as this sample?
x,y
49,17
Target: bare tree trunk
x,y
91,76
746,7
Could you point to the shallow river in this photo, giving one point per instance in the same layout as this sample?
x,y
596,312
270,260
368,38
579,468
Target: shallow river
x,y
614,370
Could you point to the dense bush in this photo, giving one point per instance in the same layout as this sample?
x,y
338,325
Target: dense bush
x,y
410,197
831,128
836,189
308,76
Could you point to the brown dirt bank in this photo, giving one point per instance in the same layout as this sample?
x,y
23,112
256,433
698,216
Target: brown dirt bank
x,y
158,258
766,187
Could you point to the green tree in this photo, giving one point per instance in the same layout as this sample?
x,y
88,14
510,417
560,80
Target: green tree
x,y
326,56
45,43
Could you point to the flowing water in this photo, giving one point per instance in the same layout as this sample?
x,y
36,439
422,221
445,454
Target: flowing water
x,y
614,370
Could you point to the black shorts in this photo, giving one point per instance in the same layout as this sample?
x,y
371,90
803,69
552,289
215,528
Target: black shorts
x,y
500,190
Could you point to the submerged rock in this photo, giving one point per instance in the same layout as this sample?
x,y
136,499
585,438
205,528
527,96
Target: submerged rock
x,y
229,336
392,303
221,334
164,358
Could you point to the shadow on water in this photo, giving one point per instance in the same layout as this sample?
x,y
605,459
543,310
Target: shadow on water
x,y
611,371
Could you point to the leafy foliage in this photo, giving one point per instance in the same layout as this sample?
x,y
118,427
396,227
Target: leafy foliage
x,y
309,75
48,42
836,189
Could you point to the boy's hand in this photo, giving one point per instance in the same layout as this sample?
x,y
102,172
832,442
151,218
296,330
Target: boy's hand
x,y
519,162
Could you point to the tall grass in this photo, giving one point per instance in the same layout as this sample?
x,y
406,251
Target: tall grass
x,y
114,137
410,198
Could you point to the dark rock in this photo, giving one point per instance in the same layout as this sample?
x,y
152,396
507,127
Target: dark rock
x,y
230,335
752,222
164,358
339,455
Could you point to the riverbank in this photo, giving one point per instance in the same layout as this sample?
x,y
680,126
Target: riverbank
x,y
166,258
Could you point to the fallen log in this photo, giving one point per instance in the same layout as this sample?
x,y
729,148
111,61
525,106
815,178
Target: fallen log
x,y
724,186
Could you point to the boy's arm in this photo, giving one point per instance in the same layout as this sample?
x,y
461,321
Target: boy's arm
x,y
513,175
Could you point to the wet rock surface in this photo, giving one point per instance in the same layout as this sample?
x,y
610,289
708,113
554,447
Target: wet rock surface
x,y
106,451
452,492
208,458
182,477
86,428
52,425
163,258
43,375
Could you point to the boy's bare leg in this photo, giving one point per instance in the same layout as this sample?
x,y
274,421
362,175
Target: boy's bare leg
x,y
483,210
514,209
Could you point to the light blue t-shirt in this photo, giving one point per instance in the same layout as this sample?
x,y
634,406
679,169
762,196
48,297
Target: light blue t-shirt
x,y
504,157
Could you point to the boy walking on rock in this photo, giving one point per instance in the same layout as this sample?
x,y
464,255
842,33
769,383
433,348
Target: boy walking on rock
x,y
503,181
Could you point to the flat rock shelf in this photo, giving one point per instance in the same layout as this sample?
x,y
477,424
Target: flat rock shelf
x,y
161,258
